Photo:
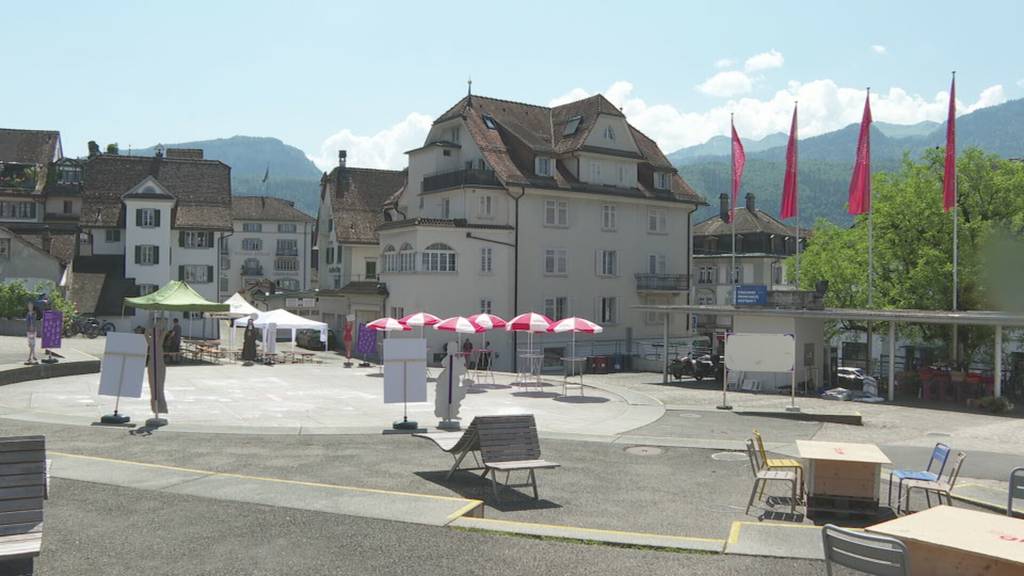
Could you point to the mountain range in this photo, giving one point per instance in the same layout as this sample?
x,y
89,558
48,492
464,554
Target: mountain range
x,y
289,173
826,160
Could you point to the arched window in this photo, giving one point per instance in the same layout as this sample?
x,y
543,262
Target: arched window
x,y
251,267
407,258
438,257
389,259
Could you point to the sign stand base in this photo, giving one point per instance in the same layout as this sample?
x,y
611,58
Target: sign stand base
x,y
724,407
451,425
792,408
405,424
156,422
115,418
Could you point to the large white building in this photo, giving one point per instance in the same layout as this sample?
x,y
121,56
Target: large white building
x,y
270,241
569,210
147,220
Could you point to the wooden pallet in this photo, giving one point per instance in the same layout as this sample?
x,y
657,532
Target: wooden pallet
x,y
841,506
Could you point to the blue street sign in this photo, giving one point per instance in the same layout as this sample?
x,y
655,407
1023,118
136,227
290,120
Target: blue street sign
x,y
752,294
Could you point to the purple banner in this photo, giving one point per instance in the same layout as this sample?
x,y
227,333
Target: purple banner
x,y
53,324
367,342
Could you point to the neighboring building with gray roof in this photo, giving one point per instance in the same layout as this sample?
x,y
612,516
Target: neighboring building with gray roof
x,y
271,241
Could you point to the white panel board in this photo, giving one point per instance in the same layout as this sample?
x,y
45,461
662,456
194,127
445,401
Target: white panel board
x,y
760,352
405,370
123,366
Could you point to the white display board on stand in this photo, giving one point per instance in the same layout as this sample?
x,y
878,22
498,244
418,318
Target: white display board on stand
x,y
124,365
405,370
760,352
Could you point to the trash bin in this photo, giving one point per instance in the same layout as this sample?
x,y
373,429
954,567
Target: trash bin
x,y
617,362
601,364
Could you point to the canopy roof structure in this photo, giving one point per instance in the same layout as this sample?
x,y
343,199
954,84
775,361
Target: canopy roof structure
x,y
175,296
239,307
284,320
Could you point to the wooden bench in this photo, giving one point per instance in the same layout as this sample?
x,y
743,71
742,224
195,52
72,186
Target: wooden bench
x,y
23,480
458,444
509,444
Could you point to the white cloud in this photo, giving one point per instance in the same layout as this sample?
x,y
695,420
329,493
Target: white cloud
x,y
764,61
724,63
726,84
879,49
1020,82
570,96
385,149
824,106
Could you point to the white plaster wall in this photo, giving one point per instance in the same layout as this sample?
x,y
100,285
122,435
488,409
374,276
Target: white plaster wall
x,y
160,236
101,246
623,138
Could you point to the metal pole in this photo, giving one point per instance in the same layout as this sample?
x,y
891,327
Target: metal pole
x,y
732,213
956,244
664,368
892,361
997,381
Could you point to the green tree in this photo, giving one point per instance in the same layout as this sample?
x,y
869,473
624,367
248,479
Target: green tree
x,y
913,247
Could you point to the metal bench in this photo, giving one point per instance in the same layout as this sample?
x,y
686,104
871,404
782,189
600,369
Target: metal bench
x,y
509,444
23,480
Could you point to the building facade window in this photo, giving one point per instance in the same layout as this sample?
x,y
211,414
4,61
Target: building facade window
x,y
145,289
776,273
251,267
556,213
657,221
543,166
486,306
289,284
446,208
397,311
609,133
252,227
370,269
609,310
389,259
20,210
486,260
486,208
737,275
147,255
195,273
287,247
287,227
656,263
222,285
69,174
68,207
557,307
190,239
661,180
438,257
5,248
607,263
112,235
595,171
609,217
252,244
556,261
329,257
225,263
147,217
286,264
224,245
407,258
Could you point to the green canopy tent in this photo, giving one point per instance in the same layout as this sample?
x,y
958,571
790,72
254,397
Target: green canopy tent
x,y
176,296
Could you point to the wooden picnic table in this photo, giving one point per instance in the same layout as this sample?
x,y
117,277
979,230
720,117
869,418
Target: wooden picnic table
x,y
948,541
842,476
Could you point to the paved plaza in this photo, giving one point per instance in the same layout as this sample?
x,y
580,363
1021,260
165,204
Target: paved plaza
x,y
282,469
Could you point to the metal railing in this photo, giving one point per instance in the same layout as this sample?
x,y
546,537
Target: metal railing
x,y
667,282
252,270
468,177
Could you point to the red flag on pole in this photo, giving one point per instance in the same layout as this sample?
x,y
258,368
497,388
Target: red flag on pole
x,y
789,207
860,183
739,159
949,178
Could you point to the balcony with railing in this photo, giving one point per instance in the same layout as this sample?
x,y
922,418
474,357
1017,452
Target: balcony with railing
x,y
252,270
662,282
468,177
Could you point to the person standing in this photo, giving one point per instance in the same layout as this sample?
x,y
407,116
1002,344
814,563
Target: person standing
x,y
175,336
249,344
31,328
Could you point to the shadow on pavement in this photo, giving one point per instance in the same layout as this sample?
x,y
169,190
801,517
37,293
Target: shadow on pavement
x,y
535,394
581,399
470,485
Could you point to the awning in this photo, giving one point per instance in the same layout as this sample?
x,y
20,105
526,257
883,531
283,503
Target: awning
x,y
175,296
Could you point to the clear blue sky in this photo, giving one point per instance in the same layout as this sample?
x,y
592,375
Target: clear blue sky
x,y
148,72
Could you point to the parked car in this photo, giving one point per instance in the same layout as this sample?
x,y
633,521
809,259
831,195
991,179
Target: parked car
x,y
855,379
310,339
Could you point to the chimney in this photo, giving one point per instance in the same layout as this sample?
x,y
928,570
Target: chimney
x,y
723,206
750,201
184,153
342,155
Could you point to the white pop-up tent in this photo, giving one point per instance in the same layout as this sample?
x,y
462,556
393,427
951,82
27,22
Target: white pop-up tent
x,y
285,320
239,308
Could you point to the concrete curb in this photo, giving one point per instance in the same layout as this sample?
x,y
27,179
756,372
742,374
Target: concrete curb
x,y
42,371
834,417
614,537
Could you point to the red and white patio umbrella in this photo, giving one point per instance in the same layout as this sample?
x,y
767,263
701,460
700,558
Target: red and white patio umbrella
x,y
388,324
574,324
420,319
529,322
459,324
490,322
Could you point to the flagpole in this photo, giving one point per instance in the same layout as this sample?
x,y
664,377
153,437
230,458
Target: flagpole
x,y
871,243
732,212
796,154
956,244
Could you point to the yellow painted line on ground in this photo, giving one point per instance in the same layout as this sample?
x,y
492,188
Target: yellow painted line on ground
x,y
473,505
266,478
593,530
734,530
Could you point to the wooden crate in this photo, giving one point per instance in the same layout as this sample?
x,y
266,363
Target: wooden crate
x,y
847,479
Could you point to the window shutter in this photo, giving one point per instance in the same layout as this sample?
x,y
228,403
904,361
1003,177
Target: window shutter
x,y
138,254
181,238
209,273
209,239
138,216
156,254
156,218
181,272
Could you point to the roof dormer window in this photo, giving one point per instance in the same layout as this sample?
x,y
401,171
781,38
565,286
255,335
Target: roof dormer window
x,y
489,122
68,174
609,133
661,180
453,134
543,167
572,125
